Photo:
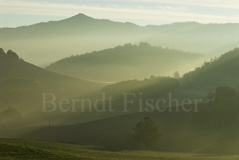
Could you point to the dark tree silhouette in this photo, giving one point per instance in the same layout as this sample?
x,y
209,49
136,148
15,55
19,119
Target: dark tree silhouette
x,y
210,95
146,133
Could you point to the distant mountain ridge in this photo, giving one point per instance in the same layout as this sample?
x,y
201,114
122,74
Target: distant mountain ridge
x,y
55,40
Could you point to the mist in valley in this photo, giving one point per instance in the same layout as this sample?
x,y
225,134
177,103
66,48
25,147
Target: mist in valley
x,y
94,82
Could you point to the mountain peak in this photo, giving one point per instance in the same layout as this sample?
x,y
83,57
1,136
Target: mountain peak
x,y
81,16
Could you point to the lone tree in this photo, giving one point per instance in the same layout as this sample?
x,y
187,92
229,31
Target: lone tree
x,y
176,75
146,133
210,95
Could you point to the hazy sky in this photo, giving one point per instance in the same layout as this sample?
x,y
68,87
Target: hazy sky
x,y
24,12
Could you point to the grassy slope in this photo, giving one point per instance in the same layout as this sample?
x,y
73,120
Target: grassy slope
x,y
50,81
114,133
39,150
28,97
104,132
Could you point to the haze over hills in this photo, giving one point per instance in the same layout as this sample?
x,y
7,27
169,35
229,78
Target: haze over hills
x,y
20,77
222,71
88,88
208,125
22,83
115,133
127,62
194,85
54,40
44,43
187,128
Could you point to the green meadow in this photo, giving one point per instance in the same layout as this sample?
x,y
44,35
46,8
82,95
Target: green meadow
x,y
11,149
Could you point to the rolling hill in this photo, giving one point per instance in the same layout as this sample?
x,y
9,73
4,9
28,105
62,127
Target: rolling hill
x,y
178,133
194,85
44,43
22,83
222,71
115,134
127,62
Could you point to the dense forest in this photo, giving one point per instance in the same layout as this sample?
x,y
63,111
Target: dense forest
x,y
217,72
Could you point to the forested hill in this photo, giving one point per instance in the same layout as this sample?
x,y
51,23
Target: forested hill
x,y
21,83
222,71
127,62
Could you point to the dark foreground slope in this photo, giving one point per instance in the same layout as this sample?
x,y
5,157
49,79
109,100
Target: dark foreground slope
x,y
115,133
